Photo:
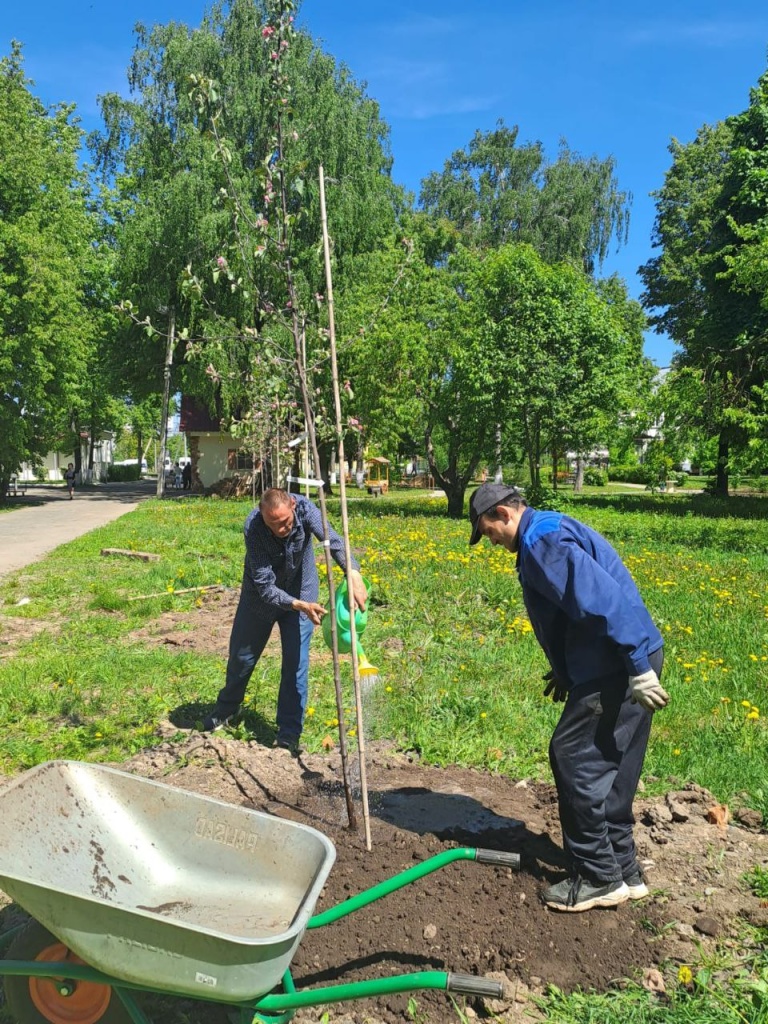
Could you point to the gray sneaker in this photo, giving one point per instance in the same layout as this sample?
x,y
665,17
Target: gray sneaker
x,y
576,894
218,719
636,884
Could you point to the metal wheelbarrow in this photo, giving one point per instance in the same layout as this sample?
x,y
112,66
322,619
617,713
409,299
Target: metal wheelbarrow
x,y
135,886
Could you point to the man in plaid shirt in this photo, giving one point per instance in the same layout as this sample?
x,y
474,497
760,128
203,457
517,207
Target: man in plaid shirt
x,y
280,585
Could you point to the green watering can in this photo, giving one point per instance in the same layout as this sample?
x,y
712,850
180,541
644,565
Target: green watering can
x,y
343,635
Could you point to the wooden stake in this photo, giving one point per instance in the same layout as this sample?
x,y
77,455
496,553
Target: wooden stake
x,y
297,329
344,515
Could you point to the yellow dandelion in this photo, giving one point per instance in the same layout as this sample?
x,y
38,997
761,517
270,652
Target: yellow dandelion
x,y
388,689
483,714
310,712
753,715
746,703
676,751
685,975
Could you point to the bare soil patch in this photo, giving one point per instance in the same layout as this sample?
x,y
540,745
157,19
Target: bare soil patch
x,y
14,630
205,628
468,917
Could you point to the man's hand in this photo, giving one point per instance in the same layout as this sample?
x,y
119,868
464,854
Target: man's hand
x,y
554,687
311,609
359,593
648,691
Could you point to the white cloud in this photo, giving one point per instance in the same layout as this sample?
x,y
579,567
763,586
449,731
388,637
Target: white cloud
x,y
422,110
706,34
419,89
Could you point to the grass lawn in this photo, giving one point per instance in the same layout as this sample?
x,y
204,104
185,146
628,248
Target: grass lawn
x,y
460,668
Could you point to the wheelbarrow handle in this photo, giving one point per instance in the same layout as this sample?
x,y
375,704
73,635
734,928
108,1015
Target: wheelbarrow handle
x,y
501,858
470,985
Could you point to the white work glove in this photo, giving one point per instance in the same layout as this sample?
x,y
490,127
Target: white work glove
x,y
648,691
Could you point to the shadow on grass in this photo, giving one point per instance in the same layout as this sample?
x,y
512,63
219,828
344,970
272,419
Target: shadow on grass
x,y
680,505
394,507
190,716
12,503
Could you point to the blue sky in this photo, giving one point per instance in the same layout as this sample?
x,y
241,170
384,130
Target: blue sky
x,y
610,78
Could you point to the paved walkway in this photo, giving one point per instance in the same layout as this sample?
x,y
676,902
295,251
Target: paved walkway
x,y
46,518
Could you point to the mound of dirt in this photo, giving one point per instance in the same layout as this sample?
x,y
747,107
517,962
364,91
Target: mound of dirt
x,y
467,917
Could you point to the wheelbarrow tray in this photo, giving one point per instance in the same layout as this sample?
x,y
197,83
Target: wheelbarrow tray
x,y
157,886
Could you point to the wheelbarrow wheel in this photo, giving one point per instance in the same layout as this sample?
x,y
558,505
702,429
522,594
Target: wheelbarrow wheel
x,y
41,1000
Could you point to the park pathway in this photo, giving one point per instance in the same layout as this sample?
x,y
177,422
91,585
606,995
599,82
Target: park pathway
x,y
46,518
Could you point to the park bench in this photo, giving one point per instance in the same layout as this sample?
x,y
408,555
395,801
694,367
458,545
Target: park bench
x,y
15,488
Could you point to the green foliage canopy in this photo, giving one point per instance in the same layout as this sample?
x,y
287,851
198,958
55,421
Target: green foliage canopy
x,y
49,272
497,192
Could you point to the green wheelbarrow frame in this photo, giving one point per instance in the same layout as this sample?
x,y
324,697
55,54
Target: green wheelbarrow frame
x,y
280,1007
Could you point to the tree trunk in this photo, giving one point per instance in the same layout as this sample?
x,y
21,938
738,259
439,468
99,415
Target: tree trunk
x,y
325,454
455,502
722,469
578,480
451,480
166,402
499,474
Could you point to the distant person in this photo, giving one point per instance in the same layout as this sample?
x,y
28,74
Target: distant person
x,y
186,476
280,585
69,479
177,477
605,656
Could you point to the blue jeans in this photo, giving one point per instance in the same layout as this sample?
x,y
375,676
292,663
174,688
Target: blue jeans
x,y
250,632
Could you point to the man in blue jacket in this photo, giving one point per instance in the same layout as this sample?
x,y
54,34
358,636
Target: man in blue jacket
x,y
605,657
280,585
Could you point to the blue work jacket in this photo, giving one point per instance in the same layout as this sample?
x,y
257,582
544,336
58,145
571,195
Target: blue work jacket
x,y
584,606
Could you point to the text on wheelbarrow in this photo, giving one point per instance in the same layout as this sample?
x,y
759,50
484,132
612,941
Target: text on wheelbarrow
x,y
229,835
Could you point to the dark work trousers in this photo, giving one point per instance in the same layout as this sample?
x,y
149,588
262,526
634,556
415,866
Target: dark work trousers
x,y
250,632
596,754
